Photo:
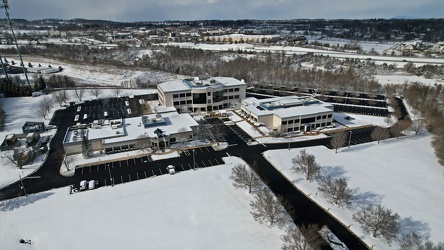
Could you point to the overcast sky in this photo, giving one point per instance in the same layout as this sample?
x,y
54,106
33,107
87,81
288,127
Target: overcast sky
x,y
160,10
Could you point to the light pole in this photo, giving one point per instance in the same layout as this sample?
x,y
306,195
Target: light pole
x,y
22,186
349,138
194,161
110,177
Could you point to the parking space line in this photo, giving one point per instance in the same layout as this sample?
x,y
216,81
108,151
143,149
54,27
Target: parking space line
x,y
160,170
134,161
207,149
182,167
204,164
97,168
153,172
90,169
210,163
82,170
190,166
129,176
201,150
217,162
120,164
105,181
145,174
121,179
137,174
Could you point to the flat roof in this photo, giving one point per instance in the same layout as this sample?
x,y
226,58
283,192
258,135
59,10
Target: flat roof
x,y
190,83
132,128
253,105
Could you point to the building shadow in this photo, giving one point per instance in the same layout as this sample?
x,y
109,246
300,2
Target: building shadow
x,y
9,205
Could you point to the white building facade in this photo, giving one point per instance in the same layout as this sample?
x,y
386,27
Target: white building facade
x,y
195,94
288,114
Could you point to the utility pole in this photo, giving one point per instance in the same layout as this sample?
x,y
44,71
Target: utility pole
x,y
194,162
5,6
22,186
110,177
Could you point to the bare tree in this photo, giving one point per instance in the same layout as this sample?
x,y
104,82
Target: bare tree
x,y
59,97
268,208
218,133
379,134
117,91
244,177
68,160
79,92
336,191
414,242
418,126
44,106
378,221
400,126
143,141
305,163
15,159
338,140
302,238
95,91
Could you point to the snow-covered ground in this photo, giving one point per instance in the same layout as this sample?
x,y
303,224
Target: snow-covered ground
x,y
189,210
402,175
20,110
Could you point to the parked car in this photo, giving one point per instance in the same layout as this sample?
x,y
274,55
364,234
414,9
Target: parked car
x,y
171,169
83,185
92,184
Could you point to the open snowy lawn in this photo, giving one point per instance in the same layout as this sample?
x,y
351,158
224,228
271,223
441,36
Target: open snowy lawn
x,y
190,210
402,175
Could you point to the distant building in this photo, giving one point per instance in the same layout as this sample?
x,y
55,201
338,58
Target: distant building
x,y
196,94
155,131
241,38
288,114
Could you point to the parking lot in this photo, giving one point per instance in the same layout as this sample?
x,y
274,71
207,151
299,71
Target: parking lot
x,y
110,108
132,169
356,136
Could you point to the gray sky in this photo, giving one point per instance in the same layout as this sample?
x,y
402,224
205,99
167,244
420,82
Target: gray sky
x,y
157,10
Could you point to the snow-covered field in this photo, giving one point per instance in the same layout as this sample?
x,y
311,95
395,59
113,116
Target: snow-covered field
x,y
189,210
402,175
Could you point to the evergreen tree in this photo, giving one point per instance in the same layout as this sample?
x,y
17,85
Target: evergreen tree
x,y
86,148
40,85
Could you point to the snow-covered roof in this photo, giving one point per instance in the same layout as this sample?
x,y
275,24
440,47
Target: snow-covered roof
x,y
174,122
285,107
188,84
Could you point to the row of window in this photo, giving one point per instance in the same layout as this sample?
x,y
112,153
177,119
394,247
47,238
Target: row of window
x,y
307,120
208,93
304,128
231,97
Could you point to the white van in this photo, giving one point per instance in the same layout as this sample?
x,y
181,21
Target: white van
x,y
92,184
82,185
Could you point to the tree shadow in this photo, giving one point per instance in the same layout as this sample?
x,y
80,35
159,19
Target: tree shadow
x,y
409,225
9,205
334,172
364,199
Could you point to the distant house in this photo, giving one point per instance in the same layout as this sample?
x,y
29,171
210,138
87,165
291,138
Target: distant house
x,y
33,127
9,142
